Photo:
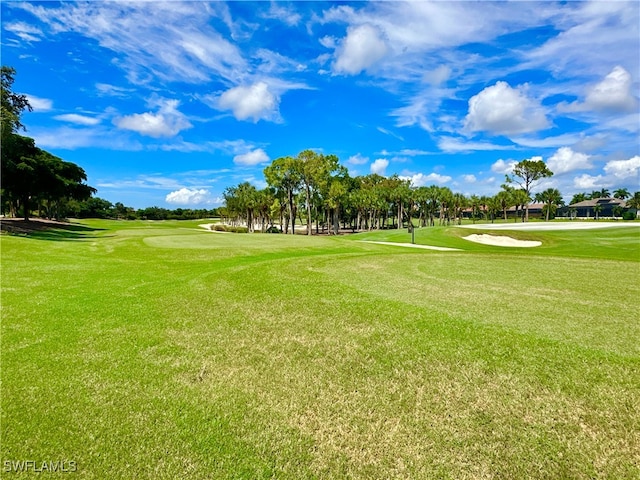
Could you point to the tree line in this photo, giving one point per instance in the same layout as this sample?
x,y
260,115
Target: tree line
x,y
96,207
314,189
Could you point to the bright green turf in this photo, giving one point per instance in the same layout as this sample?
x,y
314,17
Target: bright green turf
x,y
157,350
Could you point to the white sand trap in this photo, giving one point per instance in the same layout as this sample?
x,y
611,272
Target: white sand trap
x,y
207,226
501,241
556,225
413,245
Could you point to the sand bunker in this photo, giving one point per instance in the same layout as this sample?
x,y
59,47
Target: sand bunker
x,y
209,227
501,241
553,225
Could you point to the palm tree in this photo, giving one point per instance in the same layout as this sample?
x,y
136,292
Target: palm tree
x,y
597,209
595,194
552,198
634,201
493,207
604,193
458,203
617,211
483,203
505,201
579,197
474,201
520,199
621,193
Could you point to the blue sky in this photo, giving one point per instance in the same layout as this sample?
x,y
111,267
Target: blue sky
x,y
169,103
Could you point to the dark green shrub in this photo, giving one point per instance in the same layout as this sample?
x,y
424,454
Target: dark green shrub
x,y
273,229
629,215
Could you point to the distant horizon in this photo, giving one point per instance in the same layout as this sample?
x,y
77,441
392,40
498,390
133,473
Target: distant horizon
x,y
167,104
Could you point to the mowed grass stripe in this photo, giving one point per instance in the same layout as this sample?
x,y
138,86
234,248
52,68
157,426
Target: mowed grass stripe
x,y
269,356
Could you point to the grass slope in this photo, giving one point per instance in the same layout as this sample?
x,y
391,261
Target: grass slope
x,y
158,350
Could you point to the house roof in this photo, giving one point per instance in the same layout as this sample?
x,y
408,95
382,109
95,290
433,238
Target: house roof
x,y
599,201
532,206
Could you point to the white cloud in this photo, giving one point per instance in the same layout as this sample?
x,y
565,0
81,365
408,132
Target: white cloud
x,y
450,144
357,159
328,42
167,122
586,181
273,62
566,160
438,75
171,41
422,180
503,167
253,157
425,26
39,104
78,119
618,173
361,49
547,142
112,90
628,170
592,35
72,138
286,15
415,113
390,133
24,31
255,102
190,196
408,152
611,95
379,166
469,179
503,110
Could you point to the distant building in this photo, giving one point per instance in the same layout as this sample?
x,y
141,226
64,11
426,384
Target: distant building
x,y
535,210
587,208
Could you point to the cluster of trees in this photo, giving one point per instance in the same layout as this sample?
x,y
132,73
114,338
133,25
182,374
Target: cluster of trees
x,y
32,178
96,207
315,188
621,193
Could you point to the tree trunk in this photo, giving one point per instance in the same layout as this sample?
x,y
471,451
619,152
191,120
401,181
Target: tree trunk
x,y
292,213
308,192
25,206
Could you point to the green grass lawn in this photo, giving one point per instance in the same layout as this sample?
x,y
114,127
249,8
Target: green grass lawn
x,y
159,350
